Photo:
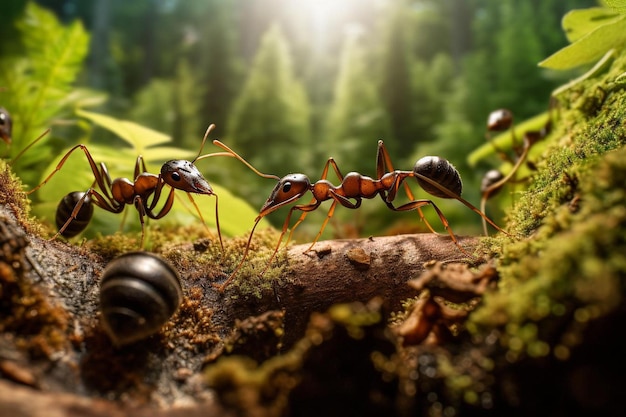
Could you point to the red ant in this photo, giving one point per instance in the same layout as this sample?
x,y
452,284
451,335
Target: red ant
x,y
115,194
435,175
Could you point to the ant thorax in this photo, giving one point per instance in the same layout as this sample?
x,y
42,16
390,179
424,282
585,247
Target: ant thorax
x,y
356,185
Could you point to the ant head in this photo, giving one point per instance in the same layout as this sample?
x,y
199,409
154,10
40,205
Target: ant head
x,y
6,125
289,189
184,175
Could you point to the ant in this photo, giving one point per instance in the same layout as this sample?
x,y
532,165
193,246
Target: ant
x,y
435,175
6,133
115,194
6,125
493,181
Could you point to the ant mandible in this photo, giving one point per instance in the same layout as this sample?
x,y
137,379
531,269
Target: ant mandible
x,y
435,175
115,194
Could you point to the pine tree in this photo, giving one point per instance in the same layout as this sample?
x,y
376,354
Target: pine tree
x,y
395,77
357,118
269,121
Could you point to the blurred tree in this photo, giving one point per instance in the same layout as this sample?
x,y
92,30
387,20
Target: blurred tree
x,y
430,27
270,118
269,123
172,106
9,35
219,67
395,77
357,119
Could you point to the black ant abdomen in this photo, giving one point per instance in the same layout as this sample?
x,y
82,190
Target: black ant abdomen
x,y
64,212
440,171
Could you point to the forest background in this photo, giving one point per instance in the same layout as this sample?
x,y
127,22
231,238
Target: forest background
x,y
291,83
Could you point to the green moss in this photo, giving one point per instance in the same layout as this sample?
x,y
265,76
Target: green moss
x,y
14,198
256,276
569,264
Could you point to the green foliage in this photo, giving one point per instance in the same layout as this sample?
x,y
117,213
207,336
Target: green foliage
x,y
272,108
504,141
394,81
40,83
236,215
571,272
592,33
172,106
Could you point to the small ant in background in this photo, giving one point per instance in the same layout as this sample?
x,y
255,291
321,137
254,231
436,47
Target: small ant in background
x,y
75,210
435,175
6,132
499,121
6,125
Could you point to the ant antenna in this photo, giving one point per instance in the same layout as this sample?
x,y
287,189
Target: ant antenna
x,y
233,154
206,135
30,145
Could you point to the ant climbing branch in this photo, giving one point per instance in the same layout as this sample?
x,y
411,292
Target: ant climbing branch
x,y
435,175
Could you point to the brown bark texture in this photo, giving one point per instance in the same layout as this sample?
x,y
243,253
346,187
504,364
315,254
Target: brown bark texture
x,y
64,364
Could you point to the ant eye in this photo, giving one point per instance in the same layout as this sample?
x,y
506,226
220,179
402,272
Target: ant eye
x,y
175,176
286,187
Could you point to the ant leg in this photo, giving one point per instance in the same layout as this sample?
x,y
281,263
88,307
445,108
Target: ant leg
x,y
74,214
245,253
141,209
336,199
413,205
243,258
330,162
517,165
330,213
94,168
217,217
166,207
469,205
97,199
140,166
383,166
306,208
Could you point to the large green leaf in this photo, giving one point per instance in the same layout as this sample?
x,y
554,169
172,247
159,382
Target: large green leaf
x,y
590,47
578,23
138,136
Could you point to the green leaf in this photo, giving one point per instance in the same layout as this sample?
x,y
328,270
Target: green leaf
x,y
578,23
138,136
39,81
504,140
590,47
617,5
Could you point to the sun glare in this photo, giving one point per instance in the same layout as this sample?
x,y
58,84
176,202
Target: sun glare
x,y
324,17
